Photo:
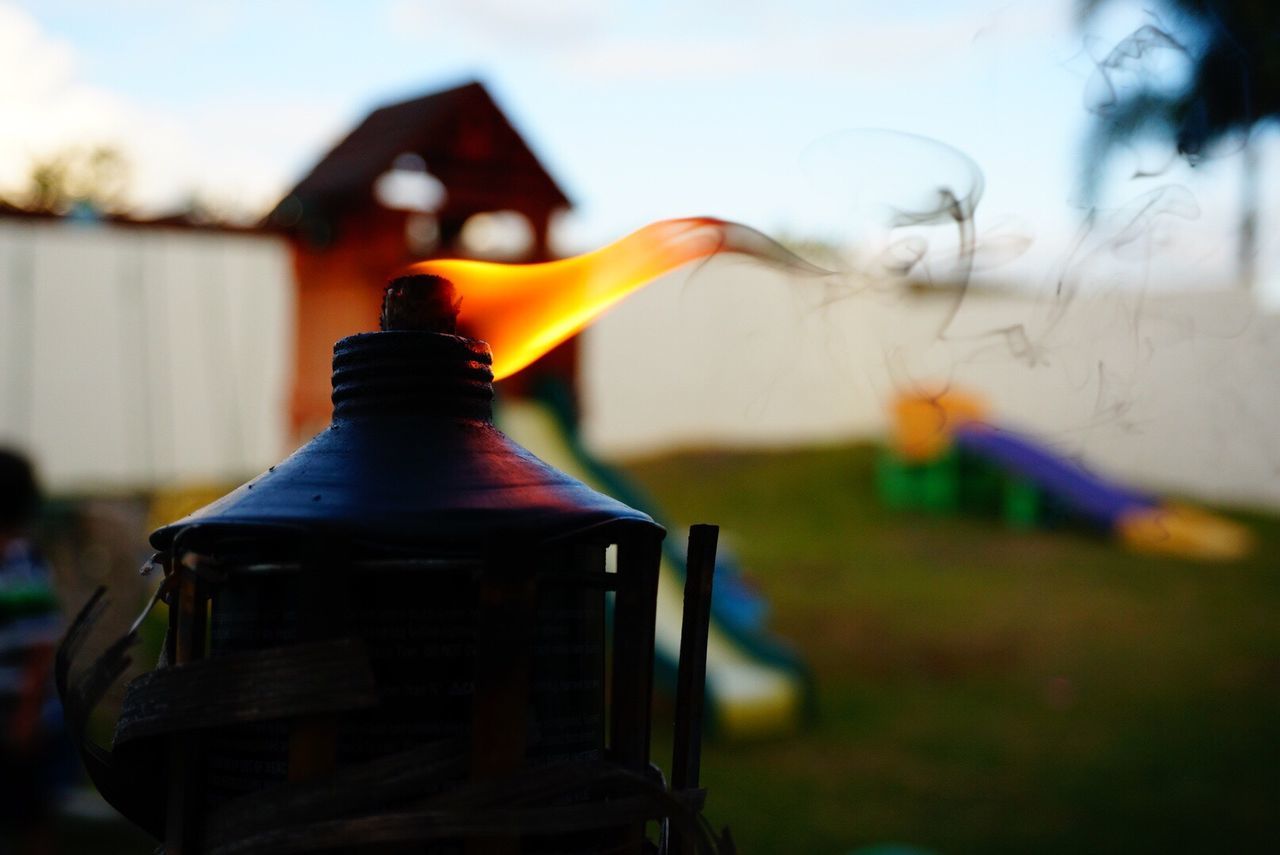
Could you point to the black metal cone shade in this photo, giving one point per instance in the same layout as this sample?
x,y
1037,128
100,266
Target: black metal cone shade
x,y
412,459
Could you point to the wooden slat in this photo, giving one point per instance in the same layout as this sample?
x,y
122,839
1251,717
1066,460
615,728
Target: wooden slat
x,y
692,675
633,633
186,750
506,634
313,738
329,676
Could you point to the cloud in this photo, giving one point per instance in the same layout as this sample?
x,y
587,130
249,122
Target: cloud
x,y
878,43
38,64
706,41
234,153
503,23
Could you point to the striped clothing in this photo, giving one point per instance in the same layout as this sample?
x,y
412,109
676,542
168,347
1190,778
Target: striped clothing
x,y
29,629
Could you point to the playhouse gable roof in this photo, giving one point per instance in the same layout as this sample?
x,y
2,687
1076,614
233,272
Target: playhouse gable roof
x,y
462,136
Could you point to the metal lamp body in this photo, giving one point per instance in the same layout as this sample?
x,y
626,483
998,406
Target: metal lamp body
x,y
470,576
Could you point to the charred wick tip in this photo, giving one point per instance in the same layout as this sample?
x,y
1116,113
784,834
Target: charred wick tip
x,y
420,301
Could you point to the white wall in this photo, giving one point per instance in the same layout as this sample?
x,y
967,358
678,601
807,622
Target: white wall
x,y
1171,391
132,357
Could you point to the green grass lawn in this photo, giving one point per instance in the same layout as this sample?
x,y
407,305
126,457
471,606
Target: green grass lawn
x,y
979,690
982,690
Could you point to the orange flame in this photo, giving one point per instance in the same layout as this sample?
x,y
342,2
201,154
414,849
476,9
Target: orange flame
x,y
524,310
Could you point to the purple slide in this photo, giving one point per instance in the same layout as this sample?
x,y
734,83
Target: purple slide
x,y
1080,490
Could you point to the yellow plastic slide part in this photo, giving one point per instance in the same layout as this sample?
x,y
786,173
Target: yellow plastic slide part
x,y
751,699
177,500
1186,532
922,424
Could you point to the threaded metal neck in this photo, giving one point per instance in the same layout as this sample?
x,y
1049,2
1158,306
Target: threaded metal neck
x,y
426,373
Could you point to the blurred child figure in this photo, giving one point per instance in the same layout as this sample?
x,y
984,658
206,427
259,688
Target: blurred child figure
x,y
32,737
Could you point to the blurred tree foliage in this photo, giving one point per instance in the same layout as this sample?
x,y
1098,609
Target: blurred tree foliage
x,y
96,176
1230,52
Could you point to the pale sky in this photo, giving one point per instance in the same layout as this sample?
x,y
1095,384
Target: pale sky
x,y
733,108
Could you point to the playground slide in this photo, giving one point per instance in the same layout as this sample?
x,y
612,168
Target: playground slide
x,y
1079,490
1140,520
755,687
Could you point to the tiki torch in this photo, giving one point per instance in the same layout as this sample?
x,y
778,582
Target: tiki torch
x,y
401,636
